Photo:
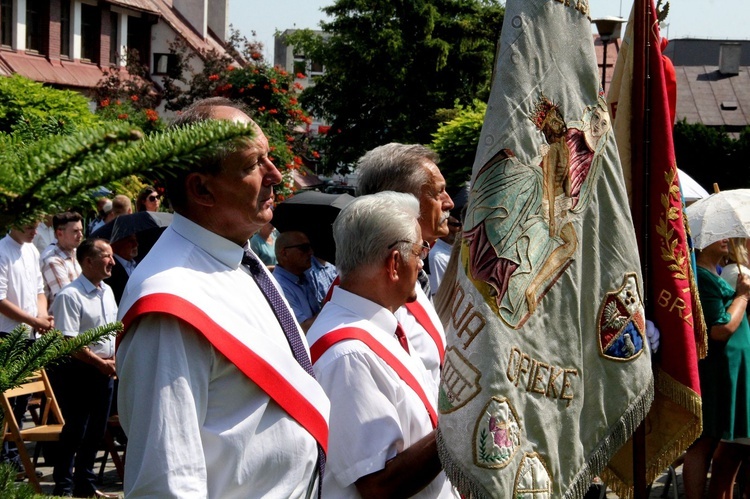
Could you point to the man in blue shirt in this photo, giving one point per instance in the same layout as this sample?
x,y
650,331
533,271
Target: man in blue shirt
x,y
294,254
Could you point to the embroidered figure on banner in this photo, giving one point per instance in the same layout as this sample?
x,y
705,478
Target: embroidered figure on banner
x,y
519,230
622,322
532,480
497,434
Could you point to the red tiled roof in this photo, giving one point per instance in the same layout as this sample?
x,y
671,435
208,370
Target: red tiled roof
x,y
38,68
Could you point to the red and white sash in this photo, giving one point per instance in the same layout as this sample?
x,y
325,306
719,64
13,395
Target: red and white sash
x,y
420,315
354,333
250,337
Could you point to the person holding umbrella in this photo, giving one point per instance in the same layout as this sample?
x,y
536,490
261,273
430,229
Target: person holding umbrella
x,y
725,378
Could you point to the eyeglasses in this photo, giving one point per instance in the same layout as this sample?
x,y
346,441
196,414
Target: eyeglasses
x,y
424,247
304,247
153,198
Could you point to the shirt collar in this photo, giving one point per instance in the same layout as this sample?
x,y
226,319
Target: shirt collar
x,y
367,309
89,287
284,273
224,250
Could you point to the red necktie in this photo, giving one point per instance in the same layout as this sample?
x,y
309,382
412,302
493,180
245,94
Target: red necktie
x,y
401,336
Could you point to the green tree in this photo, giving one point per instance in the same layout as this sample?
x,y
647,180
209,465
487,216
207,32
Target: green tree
x,y
711,155
456,142
34,110
270,94
390,66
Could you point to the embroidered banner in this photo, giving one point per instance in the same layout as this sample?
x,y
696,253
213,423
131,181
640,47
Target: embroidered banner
x,y
546,360
674,420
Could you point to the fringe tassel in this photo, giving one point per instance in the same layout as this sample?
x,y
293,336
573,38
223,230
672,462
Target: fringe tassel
x,y
617,437
620,433
465,484
691,402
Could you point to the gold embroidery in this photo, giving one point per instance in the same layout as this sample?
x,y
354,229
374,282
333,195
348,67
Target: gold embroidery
x,y
540,377
669,251
466,321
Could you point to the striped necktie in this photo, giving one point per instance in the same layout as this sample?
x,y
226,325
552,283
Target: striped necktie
x,y
286,320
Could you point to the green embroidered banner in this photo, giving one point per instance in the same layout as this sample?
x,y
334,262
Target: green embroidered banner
x,y
547,370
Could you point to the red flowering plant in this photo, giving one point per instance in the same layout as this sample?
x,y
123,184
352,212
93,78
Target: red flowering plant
x,y
269,93
127,94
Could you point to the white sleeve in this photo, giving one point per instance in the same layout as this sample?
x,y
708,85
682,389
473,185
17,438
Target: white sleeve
x,y
365,428
164,367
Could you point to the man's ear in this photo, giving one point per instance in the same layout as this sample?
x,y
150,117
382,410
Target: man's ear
x,y
198,189
393,263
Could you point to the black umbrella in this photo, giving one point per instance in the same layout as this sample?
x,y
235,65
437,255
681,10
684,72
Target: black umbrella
x,y
313,213
146,225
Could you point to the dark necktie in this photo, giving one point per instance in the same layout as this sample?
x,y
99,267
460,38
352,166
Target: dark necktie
x,y
286,320
424,281
401,336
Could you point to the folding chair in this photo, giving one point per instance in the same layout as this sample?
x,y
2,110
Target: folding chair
x,y
37,383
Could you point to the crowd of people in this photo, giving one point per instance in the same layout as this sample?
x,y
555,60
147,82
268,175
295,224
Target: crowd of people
x,y
250,367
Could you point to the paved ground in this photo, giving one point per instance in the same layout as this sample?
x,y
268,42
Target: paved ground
x,y
112,483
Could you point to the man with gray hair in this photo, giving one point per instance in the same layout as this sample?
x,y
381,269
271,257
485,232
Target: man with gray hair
x,y
217,394
383,399
412,168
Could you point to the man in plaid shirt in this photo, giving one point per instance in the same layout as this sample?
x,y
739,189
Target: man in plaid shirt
x,y
59,264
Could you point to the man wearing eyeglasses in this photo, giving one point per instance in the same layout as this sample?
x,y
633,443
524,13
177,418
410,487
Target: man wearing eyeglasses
x,y
383,399
294,255
412,168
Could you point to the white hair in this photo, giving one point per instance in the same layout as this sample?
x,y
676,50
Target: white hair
x,y
365,229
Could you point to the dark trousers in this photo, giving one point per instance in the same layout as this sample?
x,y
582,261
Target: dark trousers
x,y
9,452
84,395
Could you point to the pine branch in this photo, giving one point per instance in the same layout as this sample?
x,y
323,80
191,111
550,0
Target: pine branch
x,y
47,350
83,161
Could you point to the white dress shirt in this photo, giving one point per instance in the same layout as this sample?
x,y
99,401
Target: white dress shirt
x,y
196,425
440,254
81,306
20,279
374,414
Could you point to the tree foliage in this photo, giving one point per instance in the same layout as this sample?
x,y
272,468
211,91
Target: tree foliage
x,y
270,94
389,66
711,155
34,110
456,142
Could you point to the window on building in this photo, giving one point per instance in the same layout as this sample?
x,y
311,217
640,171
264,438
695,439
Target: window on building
x,y
65,28
165,64
139,39
6,23
37,20
114,46
316,68
90,30
300,66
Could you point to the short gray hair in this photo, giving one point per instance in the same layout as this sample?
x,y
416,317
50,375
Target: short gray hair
x,y
394,167
369,224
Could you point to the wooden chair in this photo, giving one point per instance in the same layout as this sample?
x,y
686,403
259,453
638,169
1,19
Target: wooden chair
x,y
37,383
113,448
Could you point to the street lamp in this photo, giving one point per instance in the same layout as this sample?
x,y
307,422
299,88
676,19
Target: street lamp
x,y
609,30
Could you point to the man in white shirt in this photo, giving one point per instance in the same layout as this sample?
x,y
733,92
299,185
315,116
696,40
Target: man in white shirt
x,y
59,264
383,399
45,234
83,385
216,393
413,169
22,301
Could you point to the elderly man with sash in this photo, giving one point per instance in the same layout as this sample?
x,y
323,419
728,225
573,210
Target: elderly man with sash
x,y
217,394
383,399
412,168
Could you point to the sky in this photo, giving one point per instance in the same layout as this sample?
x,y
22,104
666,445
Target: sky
x,y
717,19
